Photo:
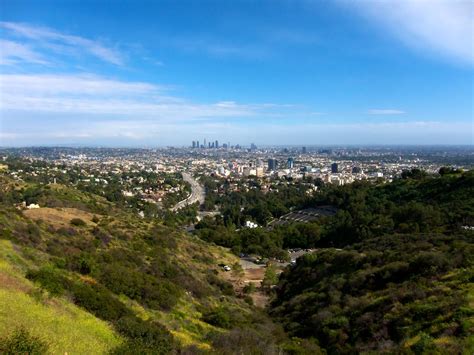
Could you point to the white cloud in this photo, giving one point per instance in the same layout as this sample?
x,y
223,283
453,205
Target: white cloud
x,y
445,27
376,111
87,94
72,84
12,53
62,43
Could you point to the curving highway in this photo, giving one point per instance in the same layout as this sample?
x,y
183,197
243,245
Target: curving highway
x,y
197,193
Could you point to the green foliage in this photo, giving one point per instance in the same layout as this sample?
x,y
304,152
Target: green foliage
x,y
402,281
49,279
415,173
125,269
298,346
146,337
378,293
446,170
412,205
77,222
225,287
252,204
270,278
249,288
399,282
22,342
147,289
219,317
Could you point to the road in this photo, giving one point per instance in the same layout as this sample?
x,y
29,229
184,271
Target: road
x,y
247,263
197,193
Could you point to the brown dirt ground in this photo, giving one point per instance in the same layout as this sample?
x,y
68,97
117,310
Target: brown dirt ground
x,y
7,281
249,275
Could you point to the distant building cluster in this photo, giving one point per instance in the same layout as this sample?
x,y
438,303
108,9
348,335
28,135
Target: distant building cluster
x,y
215,145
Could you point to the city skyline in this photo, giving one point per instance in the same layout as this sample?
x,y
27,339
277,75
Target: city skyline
x,y
274,73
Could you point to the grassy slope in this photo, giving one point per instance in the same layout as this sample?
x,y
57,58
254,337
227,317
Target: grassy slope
x,y
65,327
45,316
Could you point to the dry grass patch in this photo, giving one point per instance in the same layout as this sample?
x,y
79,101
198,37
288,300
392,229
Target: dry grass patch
x,y
59,217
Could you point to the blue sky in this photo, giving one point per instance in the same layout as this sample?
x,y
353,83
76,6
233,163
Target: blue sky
x,y
155,73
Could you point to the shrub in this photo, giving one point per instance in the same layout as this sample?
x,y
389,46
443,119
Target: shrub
x,y
152,291
49,279
145,337
67,231
225,287
248,300
99,301
244,341
77,222
249,288
22,342
219,317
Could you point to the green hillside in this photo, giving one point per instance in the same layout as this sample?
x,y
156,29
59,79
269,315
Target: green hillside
x,y
392,273
111,281
22,305
401,279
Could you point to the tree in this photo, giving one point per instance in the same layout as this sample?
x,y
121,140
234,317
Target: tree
x,y
271,278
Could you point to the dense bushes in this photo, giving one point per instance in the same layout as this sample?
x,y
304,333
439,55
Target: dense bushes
x,y
49,279
380,293
403,277
220,317
146,337
22,342
147,289
78,222
225,287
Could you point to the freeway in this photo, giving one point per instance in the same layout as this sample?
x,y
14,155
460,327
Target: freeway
x,y
197,193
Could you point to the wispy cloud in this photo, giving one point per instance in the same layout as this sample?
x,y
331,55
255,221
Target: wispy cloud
x,y
12,53
89,94
389,111
216,47
444,27
49,39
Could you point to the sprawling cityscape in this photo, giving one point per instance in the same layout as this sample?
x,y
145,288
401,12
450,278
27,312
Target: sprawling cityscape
x,y
236,166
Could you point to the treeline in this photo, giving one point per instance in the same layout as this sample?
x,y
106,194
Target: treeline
x,y
416,203
250,202
260,241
